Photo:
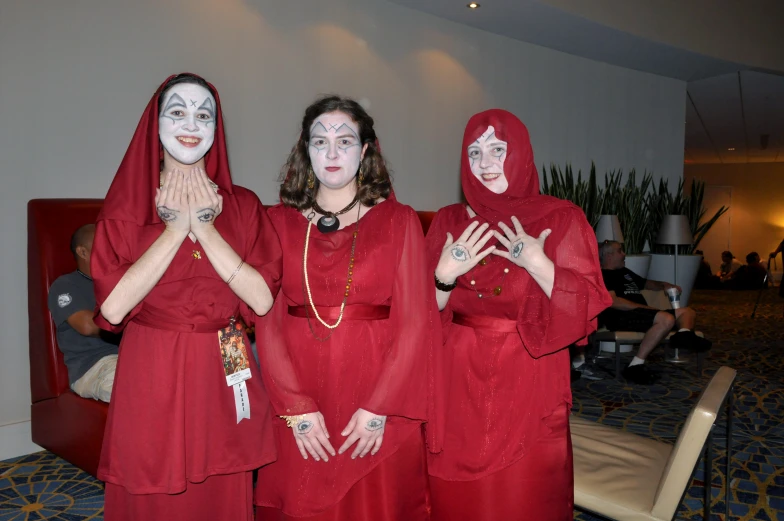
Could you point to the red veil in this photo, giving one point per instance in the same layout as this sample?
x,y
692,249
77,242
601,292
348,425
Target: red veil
x,y
131,196
545,325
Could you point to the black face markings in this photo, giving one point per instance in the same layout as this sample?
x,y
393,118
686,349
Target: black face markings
x,y
174,101
209,107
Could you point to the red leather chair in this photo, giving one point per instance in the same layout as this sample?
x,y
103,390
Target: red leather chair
x,y
62,422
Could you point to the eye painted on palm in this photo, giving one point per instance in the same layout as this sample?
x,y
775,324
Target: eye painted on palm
x,y
206,215
460,253
304,427
167,214
375,424
517,249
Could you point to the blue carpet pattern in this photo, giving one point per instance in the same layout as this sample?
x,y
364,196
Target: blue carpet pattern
x,y
754,348
42,486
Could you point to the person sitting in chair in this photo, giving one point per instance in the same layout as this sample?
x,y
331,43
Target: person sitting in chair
x,y
630,312
90,353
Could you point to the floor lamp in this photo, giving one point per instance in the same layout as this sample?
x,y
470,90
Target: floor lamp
x,y
609,229
675,230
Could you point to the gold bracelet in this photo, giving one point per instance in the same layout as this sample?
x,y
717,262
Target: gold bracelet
x,y
291,421
242,262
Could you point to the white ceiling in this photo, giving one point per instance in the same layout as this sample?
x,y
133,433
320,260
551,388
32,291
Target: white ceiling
x,y
735,111
728,106
540,24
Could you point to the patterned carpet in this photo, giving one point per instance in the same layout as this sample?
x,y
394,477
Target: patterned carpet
x,y
43,487
754,348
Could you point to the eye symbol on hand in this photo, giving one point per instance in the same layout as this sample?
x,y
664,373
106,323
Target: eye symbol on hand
x,y
375,424
460,254
304,426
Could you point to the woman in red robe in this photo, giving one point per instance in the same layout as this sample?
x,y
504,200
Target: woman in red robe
x,y
517,280
345,347
180,253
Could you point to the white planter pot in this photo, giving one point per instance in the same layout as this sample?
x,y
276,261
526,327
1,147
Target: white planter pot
x,y
639,264
663,269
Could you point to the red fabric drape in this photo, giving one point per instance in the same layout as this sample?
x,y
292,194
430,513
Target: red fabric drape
x,y
376,365
172,421
571,246
494,387
131,196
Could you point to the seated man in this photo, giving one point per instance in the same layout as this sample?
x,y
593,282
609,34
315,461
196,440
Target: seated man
x,y
90,354
729,265
751,276
630,312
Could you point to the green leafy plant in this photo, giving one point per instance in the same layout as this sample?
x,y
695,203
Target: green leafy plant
x,y
640,207
631,207
582,192
662,202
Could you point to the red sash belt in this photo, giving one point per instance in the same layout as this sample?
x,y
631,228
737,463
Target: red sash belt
x,y
500,325
157,318
352,312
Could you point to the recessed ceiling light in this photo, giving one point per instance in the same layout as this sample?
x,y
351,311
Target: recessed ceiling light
x,y
474,5
731,149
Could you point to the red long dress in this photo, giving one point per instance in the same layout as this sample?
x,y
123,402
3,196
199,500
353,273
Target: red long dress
x,y
173,449
377,364
503,379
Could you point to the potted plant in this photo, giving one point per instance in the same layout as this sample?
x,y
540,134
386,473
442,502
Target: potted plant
x,y
583,193
629,202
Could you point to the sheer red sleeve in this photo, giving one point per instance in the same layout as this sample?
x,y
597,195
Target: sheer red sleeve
x,y
401,389
277,369
569,316
262,251
439,367
109,260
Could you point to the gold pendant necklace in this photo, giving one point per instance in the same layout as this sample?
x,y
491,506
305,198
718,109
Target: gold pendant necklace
x,y
331,327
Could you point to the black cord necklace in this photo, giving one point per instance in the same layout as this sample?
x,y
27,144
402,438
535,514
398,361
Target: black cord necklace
x,y
330,222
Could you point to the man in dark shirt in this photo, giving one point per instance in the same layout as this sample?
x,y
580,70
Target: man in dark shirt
x,y
753,275
630,312
90,354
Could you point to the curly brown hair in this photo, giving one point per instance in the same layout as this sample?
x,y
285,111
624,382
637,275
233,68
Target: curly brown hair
x,y
294,189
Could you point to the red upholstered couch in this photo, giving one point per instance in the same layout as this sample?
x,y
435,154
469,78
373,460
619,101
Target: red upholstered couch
x,y
62,422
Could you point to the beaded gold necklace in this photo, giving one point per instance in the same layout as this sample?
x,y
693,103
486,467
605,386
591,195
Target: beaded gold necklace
x,y
331,327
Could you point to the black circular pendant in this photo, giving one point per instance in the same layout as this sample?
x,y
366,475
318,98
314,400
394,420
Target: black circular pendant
x,y
328,224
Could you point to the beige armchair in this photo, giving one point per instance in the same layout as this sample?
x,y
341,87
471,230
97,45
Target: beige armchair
x,y
626,477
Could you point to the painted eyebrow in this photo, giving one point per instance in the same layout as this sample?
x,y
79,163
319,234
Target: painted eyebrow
x,y
487,138
318,124
207,105
340,129
494,143
175,101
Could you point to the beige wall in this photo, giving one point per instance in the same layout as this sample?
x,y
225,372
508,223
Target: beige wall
x,y
76,75
756,217
743,32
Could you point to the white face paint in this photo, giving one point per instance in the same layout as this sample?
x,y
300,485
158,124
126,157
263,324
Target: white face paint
x,y
486,156
335,149
186,124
